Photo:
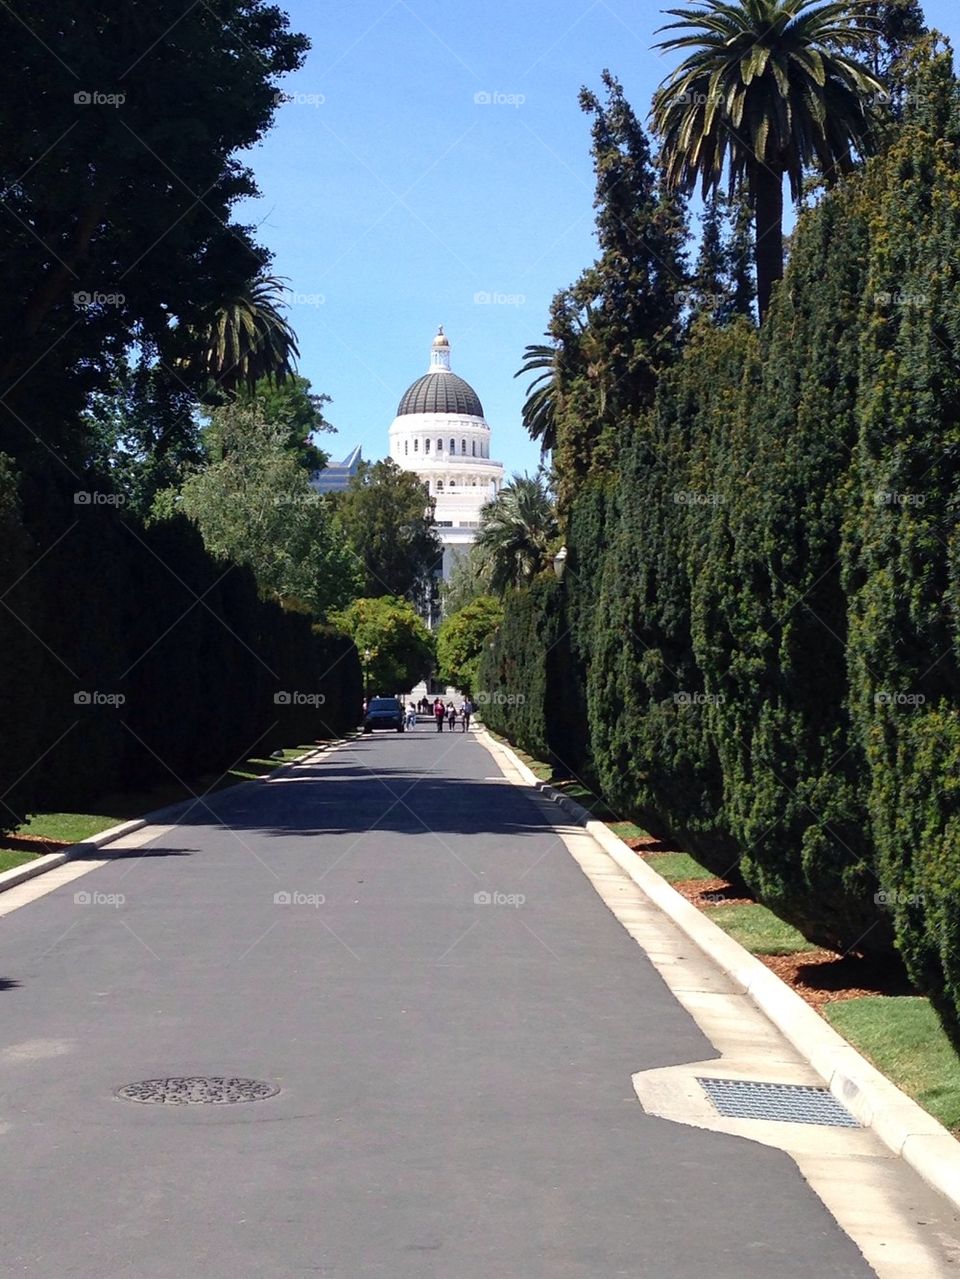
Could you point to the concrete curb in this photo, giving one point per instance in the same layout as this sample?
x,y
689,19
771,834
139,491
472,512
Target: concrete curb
x,y
898,1121
30,870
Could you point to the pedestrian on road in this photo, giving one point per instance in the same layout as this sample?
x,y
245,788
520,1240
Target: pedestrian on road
x,y
411,716
451,716
438,714
466,710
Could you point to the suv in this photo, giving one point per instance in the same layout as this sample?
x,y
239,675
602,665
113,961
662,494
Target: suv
x,y
383,712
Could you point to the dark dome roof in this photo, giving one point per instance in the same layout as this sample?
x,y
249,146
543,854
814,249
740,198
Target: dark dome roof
x,y
441,392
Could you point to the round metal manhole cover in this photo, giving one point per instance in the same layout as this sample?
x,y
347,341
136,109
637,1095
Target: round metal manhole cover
x,y
198,1090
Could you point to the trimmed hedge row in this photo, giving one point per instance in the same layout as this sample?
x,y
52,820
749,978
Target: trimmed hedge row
x,y
128,654
762,608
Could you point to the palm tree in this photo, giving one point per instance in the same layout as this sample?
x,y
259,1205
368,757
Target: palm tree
x,y
540,407
770,89
516,532
248,338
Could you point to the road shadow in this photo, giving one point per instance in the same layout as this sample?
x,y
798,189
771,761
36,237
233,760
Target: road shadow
x,y
90,853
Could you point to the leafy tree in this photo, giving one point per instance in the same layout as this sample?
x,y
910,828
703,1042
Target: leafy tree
x,y
293,403
395,647
518,531
387,515
254,505
469,579
143,431
897,26
120,175
462,638
770,90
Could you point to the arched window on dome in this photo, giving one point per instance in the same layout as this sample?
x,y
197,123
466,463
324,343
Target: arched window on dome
x,y
453,446
426,446
439,486
463,447
474,447
439,446
416,446
406,447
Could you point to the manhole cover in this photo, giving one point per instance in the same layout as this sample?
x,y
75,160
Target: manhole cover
x,y
784,1103
198,1090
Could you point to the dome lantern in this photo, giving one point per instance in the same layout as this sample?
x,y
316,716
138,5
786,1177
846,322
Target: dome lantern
x,y
440,352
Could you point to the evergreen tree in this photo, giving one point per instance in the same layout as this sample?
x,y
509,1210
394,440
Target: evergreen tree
x,y
618,326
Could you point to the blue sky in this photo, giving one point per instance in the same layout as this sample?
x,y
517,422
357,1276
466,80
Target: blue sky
x,y
435,156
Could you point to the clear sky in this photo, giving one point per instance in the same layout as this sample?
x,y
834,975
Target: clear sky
x,y
434,168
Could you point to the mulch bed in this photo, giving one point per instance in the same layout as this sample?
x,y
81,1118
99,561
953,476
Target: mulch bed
x,y
645,844
818,976
38,844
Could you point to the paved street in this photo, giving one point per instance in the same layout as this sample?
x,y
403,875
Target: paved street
x,y
455,1076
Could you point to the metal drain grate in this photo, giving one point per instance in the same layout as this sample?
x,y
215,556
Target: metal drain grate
x,y
783,1103
197,1090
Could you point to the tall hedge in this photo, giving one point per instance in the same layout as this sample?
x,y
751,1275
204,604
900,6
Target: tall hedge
x,y
760,619
901,554
129,655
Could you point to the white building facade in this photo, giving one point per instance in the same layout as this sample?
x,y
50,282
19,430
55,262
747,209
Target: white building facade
x,y
440,433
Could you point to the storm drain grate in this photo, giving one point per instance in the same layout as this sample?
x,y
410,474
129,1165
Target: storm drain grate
x,y
783,1103
197,1090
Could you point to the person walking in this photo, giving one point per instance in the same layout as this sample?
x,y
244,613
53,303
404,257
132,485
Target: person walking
x,y
451,716
466,710
438,713
411,716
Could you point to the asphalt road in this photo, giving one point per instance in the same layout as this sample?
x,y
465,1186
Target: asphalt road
x,y
455,1075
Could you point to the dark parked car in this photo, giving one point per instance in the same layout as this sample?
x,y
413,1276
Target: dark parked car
x,y
383,712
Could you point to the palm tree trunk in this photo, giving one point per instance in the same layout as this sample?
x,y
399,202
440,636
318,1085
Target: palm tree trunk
x,y
768,211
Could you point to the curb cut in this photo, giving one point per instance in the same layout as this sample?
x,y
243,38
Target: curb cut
x,y
30,870
900,1123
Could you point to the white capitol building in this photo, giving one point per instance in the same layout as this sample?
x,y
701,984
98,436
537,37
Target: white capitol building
x,y
440,433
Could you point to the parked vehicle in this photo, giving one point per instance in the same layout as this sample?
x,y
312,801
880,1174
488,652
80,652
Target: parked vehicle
x,y
383,712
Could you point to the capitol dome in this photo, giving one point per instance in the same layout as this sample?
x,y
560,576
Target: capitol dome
x,y
441,392
440,433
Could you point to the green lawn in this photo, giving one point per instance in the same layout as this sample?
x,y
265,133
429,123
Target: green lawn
x,y
759,929
677,867
8,860
903,1038
74,828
